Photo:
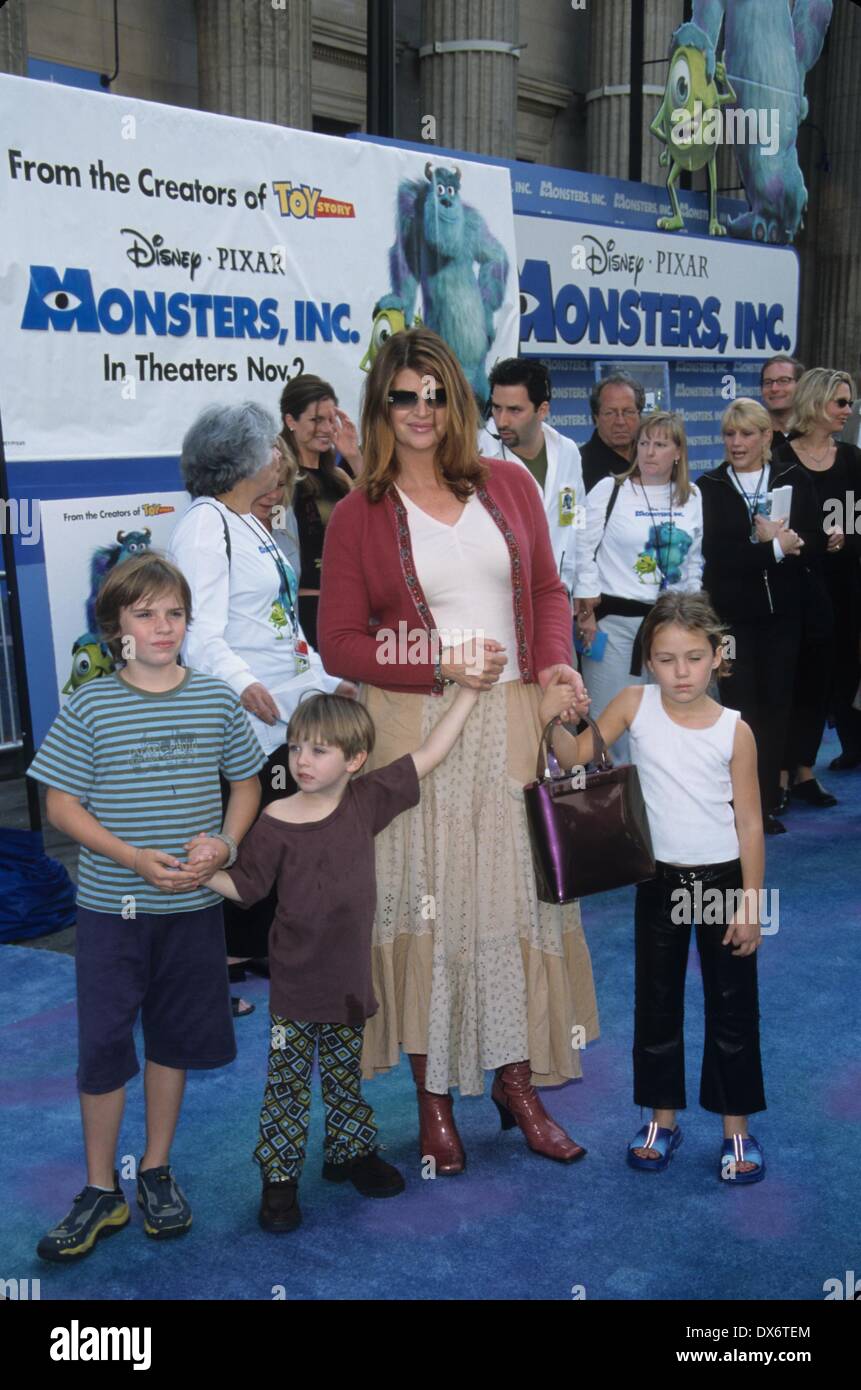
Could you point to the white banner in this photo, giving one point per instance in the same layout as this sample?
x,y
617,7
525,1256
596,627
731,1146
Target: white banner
x,y
155,260
594,291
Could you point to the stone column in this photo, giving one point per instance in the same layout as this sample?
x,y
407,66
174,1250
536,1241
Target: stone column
x,y
830,333
472,91
608,98
254,60
13,38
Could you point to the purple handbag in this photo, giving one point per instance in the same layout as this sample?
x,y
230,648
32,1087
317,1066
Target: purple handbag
x,y
589,831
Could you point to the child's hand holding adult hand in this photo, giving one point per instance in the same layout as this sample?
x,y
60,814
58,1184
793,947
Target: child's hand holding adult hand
x,y
560,696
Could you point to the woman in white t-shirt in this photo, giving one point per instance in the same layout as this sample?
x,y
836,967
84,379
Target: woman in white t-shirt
x,y
245,627
643,536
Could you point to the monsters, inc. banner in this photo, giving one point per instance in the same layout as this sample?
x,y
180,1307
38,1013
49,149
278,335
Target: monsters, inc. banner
x,y
736,77
155,260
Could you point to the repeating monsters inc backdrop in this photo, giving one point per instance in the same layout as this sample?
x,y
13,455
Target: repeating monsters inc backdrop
x,y
736,76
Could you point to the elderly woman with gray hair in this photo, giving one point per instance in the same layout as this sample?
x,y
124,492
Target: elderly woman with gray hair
x,y
246,629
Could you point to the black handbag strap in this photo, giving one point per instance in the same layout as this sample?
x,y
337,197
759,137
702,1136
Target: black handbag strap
x,y
547,758
227,546
609,512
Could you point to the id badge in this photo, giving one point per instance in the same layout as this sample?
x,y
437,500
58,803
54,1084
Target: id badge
x,y
566,506
301,656
763,509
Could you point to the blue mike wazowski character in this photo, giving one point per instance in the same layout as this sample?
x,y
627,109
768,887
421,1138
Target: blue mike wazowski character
x,y
439,241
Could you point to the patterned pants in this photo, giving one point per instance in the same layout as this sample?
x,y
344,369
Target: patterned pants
x,y
350,1127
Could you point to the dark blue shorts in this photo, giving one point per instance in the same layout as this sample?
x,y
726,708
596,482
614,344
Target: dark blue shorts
x,y
171,968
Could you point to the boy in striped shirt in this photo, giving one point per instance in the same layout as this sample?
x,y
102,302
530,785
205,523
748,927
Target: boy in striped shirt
x,y
132,766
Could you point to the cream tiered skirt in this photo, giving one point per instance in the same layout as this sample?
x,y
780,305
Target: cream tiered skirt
x,y
469,967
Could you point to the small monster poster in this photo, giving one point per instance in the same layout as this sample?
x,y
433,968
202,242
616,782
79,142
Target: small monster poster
x,y
85,538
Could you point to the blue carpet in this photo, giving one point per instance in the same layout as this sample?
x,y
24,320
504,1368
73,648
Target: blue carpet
x,y
515,1226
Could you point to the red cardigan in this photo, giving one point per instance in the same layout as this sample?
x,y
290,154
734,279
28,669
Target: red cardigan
x,y
369,584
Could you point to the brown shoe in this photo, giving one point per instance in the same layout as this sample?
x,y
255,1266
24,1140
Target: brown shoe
x,y
519,1103
438,1136
279,1206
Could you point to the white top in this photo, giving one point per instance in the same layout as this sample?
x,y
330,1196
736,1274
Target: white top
x,y
465,574
241,629
638,542
687,787
564,494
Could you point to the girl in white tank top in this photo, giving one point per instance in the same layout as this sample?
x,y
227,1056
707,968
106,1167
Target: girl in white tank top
x,y
697,768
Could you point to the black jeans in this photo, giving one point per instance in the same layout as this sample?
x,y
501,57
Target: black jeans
x,y
731,1082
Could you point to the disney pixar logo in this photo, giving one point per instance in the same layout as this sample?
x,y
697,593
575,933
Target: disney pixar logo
x,y
301,200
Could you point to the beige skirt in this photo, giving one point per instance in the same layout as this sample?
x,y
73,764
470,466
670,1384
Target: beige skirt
x,y
469,967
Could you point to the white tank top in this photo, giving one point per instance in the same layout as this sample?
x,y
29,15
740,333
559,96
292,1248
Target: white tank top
x,y
685,776
465,574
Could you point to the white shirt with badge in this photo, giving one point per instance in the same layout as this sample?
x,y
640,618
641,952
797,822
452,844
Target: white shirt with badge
x,y
244,627
774,506
564,494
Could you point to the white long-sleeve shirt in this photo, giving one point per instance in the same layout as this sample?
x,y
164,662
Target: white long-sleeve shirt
x,y
564,494
639,544
241,631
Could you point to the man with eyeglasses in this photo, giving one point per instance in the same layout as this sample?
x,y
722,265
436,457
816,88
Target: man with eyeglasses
x,y
778,379
616,403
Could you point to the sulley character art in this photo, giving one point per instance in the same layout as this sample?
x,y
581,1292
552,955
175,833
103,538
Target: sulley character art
x,y
107,557
438,243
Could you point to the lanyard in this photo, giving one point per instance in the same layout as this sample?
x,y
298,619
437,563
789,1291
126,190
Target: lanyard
x,y
662,570
751,504
271,548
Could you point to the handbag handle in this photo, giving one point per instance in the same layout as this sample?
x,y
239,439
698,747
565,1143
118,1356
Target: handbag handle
x,y
547,758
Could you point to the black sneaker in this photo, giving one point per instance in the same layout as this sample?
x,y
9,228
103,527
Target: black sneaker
x,y
368,1173
166,1211
95,1213
279,1206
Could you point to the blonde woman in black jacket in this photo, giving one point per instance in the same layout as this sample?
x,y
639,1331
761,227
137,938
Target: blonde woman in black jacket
x,y
753,574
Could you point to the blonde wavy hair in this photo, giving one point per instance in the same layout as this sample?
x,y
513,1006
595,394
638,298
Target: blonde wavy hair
x,y
813,392
456,457
670,423
745,411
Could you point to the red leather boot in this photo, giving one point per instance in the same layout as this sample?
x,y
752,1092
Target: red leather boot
x,y
438,1136
519,1103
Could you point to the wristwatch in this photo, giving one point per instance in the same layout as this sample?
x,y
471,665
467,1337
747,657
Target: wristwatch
x,y
231,846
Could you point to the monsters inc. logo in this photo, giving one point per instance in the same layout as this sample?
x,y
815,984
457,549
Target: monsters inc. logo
x,y
67,301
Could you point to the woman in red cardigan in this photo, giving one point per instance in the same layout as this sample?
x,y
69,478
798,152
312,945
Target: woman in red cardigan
x,y
438,572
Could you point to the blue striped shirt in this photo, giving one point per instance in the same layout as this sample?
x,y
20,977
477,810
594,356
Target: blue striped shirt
x,y
145,764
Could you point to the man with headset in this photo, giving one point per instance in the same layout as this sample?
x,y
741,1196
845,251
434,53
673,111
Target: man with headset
x,y
519,406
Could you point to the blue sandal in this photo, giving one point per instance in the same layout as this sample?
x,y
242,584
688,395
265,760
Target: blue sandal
x,y
652,1136
741,1148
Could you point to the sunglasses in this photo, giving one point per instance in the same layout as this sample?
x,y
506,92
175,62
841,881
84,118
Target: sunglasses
x,y
842,402
407,400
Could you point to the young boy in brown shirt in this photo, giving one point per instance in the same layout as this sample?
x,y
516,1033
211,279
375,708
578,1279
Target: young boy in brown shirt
x,y
318,847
